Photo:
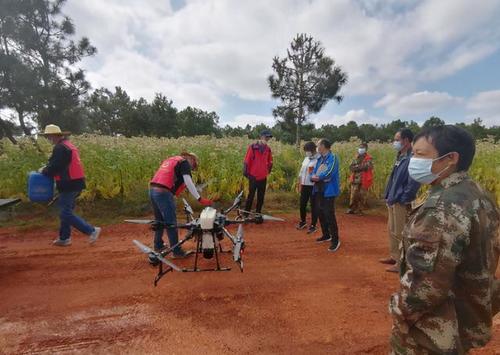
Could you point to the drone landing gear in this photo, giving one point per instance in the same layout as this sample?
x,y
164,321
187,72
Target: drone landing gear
x,y
161,273
217,250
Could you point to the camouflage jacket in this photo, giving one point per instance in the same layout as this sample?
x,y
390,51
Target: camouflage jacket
x,y
448,293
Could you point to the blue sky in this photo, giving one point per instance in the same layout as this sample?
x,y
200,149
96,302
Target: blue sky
x,y
406,59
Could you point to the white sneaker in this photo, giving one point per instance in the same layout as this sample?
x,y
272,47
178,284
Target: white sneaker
x,y
62,242
95,235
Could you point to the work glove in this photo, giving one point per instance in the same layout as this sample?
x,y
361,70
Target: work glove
x,y
205,202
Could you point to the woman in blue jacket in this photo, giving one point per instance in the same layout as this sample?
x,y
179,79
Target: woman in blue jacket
x,y
326,187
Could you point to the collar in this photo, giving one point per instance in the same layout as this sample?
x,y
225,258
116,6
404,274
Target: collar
x,y
454,179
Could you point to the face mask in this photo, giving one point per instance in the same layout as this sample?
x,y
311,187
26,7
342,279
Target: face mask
x,y
309,154
361,151
420,169
397,145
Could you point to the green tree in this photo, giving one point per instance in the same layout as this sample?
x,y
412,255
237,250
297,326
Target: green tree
x,y
433,121
196,122
305,80
39,78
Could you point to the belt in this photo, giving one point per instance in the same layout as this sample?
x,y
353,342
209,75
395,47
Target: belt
x,y
159,187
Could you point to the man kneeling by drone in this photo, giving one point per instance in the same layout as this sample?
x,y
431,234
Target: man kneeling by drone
x,y
170,180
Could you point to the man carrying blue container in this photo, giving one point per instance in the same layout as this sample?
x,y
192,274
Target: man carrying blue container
x,y
67,170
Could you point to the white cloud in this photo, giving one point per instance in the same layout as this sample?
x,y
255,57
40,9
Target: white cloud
x,y
360,116
486,105
212,49
423,102
253,120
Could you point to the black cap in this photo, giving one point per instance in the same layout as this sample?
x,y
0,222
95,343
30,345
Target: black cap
x,y
266,133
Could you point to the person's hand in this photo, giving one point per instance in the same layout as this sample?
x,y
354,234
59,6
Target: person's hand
x,y
315,178
205,202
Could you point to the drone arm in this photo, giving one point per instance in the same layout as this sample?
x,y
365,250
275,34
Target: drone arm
x,y
229,236
167,251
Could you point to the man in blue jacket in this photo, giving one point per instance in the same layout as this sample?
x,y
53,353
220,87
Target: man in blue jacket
x,y
326,187
401,190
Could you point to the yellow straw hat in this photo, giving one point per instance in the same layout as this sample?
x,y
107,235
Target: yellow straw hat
x,y
54,130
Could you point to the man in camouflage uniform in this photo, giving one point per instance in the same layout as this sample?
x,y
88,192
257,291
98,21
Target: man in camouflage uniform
x,y
448,293
361,179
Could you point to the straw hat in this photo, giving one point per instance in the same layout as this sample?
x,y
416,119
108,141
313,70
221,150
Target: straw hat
x,y
54,130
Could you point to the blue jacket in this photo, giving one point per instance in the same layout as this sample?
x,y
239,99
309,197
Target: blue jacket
x,y
401,188
327,169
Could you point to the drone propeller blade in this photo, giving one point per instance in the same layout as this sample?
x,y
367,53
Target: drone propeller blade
x,y
147,250
239,245
187,206
140,221
265,217
239,234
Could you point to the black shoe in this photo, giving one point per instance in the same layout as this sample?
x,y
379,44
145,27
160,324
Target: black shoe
x,y
259,219
153,260
323,238
335,246
311,230
301,225
349,211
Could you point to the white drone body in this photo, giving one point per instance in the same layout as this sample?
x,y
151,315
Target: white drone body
x,y
207,218
207,221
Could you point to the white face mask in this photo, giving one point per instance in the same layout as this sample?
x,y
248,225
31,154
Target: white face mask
x,y
361,151
309,154
420,169
397,145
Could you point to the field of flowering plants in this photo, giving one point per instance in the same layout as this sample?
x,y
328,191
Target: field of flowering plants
x,y
119,167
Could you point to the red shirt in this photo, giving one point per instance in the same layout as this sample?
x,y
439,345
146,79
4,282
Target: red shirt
x,y
258,161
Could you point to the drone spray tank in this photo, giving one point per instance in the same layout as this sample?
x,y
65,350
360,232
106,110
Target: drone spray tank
x,y
207,221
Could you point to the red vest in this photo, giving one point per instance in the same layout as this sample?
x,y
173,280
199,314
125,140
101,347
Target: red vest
x,y
75,169
366,176
165,175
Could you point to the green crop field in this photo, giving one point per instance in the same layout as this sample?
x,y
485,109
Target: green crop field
x,y
119,167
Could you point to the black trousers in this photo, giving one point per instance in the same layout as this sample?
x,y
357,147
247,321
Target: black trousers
x,y
326,211
306,196
260,188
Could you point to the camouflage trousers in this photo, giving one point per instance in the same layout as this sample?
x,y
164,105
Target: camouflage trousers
x,y
358,198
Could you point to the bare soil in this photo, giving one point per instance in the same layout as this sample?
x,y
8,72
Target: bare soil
x,y
293,297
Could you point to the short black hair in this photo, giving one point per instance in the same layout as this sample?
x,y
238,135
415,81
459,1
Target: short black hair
x,y
310,147
325,142
406,133
449,138
364,144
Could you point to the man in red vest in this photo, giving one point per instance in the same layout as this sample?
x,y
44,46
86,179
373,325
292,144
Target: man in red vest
x,y
169,181
256,167
361,179
67,170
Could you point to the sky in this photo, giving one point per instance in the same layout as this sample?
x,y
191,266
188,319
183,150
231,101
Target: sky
x,y
406,59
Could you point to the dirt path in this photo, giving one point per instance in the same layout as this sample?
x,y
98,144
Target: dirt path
x,y
294,296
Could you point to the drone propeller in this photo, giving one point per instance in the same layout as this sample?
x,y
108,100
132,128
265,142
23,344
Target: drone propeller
x,y
236,203
187,207
140,221
265,217
239,246
147,250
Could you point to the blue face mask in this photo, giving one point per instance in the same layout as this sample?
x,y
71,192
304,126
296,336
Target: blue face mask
x,y
397,145
420,169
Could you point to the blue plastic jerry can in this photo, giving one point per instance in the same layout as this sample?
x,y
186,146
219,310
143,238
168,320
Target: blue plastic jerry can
x,y
40,187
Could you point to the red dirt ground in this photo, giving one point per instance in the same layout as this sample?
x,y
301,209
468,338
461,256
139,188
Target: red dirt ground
x,y
294,296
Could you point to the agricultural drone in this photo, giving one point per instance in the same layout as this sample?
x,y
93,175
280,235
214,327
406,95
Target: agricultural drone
x,y
208,231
